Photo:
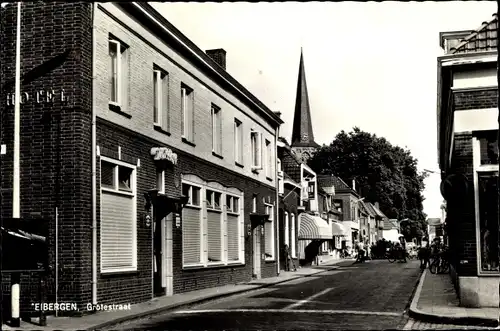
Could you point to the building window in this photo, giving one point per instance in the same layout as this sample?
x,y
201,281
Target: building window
x,y
214,226
213,232
118,216
238,142
191,225
269,159
216,130
256,150
118,70
269,233
187,108
293,243
234,230
485,160
286,230
281,183
160,94
160,181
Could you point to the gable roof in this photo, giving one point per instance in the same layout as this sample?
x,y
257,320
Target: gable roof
x,y
340,185
366,209
390,224
377,211
482,39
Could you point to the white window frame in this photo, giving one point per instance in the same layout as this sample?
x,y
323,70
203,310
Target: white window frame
x,y
238,141
268,158
186,93
133,194
221,213
160,177
216,129
293,239
200,209
121,49
159,96
272,221
256,163
478,169
286,230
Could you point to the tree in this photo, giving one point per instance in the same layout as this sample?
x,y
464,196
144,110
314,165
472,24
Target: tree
x,y
383,173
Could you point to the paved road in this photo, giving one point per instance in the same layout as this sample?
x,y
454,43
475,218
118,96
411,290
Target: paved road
x,y
370,296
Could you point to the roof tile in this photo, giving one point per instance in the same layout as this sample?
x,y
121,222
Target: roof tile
x,y
482,39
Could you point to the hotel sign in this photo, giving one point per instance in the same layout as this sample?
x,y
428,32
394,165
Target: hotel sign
x,y
163,153
40,97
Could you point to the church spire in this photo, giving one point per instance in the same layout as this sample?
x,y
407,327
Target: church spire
x,y
302,134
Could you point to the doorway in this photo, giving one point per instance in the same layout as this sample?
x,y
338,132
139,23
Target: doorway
x,y
256,234
162,256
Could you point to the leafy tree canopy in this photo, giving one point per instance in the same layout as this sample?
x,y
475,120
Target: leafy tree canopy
x,y
383,173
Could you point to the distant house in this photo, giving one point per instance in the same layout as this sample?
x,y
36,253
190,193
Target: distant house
x,y
434,228
379,220
391,230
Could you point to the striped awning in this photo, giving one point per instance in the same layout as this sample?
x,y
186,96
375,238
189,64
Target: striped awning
x,y
313,227
339,229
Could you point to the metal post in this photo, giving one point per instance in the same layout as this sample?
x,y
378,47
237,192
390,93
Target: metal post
x,y
16,277
498,133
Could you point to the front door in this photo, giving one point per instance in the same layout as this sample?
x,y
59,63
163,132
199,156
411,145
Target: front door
x,y
159,259
256,234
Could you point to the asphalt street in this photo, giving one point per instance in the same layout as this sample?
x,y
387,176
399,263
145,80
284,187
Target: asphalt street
x,y
370,296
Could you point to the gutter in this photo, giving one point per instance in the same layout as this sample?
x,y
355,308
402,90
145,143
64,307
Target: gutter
x,y
276,181
94,160
268,112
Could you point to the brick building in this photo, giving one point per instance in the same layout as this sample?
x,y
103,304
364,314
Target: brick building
x,y
468,157
138,139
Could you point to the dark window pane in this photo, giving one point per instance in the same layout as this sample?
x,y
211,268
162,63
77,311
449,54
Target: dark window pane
x,y
489,148
107,175
196,196
124,178
488,221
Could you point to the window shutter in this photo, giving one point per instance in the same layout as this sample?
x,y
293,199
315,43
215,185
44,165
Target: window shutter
x,y
233,237
190,101
292,241
260,151
286,232
123,79
117,231
165,116
269,237
191,235
214,236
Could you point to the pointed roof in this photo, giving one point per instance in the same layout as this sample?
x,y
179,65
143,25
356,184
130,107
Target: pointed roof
x,y
302,134
482,39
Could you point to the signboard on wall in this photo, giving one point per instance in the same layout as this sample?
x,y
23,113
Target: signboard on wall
x,y
310,190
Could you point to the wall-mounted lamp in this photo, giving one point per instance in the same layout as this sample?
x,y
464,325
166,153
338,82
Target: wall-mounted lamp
x,y
147,221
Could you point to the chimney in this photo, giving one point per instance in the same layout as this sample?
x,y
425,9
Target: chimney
x,y
354,184
377,205
218,56
278,113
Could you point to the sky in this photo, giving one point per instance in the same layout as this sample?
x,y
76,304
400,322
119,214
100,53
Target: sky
x,y
368,64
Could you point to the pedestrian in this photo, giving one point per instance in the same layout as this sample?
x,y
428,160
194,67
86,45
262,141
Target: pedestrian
x,y
287,257
402,241
361,251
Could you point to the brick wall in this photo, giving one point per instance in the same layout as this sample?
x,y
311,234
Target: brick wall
x,y
289,203
55,166
146,49
139,285
461,217
476,99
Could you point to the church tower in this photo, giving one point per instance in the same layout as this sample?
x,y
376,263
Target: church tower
x,y
303,143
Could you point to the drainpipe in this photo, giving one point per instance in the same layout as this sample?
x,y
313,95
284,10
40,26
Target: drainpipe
x,y
94,160
277,199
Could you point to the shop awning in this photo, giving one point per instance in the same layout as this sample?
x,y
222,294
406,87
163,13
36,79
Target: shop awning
x,y
313,227
339,229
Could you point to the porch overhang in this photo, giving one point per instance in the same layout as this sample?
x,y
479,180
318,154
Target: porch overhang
x,y
258,219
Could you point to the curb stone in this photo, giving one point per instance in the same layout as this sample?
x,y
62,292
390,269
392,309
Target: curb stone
x,y
193,302
421,315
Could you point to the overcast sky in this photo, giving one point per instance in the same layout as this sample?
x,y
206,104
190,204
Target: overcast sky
x,y
371,65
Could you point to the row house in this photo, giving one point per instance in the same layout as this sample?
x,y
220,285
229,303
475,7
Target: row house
x,y
159,167
392,230
467,116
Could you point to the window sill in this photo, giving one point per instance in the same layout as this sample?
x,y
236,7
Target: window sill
x,y
160,129
213,265
130,272
269,259
488,274
239,164
217,155
184,140
117,109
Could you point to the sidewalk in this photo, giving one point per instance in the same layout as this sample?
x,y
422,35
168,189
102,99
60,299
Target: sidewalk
x,y
436,301
107,319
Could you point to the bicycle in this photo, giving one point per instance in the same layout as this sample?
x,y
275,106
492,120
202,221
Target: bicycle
x,y
439,265
392,255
